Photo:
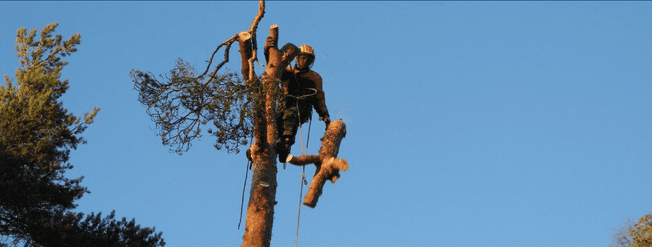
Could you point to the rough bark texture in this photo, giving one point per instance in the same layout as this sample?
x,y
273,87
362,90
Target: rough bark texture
x,y
245,39
260,211
328,166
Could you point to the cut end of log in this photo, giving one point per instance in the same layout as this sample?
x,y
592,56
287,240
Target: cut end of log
x,y
289,159
310,202
244,36
273,32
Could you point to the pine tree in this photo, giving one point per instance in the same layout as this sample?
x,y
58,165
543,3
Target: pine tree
x,y
36,136
241,109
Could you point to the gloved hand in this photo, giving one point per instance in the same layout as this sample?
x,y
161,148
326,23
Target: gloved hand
x,y
269,42
326,120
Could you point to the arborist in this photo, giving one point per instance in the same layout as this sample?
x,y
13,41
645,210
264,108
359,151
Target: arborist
x,y
302,91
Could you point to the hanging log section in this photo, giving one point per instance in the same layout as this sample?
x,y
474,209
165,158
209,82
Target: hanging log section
x,y
328,166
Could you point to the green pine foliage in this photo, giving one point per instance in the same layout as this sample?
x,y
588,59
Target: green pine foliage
x,y
36,132
36,137
73,229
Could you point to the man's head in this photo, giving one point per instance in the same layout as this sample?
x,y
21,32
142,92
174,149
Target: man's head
x,y
306,57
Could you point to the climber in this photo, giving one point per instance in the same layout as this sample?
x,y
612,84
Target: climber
x,y
302,91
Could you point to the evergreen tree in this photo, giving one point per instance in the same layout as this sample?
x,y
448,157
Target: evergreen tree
x,y
36,137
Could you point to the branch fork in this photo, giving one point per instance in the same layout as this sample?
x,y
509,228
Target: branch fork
x,y
328,166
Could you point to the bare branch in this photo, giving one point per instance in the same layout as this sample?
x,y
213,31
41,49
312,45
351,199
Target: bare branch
x,y
252,31
226,43
234,38
180,103
259,16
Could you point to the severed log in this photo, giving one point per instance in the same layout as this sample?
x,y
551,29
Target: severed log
x,y
328,166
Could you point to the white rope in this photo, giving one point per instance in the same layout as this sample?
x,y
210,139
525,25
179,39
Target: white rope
x,y
303,176
303,152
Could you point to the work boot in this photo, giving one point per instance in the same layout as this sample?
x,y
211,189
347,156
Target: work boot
x,y
249,154
282,149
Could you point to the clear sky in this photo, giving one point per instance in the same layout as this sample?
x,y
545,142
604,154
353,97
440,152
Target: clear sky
x,y
469,123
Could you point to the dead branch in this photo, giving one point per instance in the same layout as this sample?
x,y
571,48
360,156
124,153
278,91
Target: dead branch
x,y
251,49
259,16
252,31
226,43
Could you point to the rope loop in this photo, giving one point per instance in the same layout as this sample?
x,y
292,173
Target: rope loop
x,y
313,93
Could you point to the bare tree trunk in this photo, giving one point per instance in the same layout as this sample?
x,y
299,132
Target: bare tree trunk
x,y
260,210
262,198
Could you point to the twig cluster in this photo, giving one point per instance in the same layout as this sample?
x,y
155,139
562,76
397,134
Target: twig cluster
x,y
181,102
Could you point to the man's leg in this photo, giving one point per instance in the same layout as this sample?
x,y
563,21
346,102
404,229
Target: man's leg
x,y
287,132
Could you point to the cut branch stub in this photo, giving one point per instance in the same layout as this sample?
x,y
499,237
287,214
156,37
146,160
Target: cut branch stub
x,y
276,63
246,52
279,59
328,166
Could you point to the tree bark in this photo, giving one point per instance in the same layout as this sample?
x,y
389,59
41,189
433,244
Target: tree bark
x,y
328,166
245,39
260,210
262,198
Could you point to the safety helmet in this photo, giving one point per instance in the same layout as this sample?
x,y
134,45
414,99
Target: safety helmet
x,y
307,50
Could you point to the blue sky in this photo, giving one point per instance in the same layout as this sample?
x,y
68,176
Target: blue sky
x,y
469,123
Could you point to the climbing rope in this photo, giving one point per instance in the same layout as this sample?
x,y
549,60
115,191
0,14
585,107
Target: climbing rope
x,y
303,176
303,152
247,168
303,181
249,163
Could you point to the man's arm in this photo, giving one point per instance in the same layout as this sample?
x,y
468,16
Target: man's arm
x,y
269,43
319,101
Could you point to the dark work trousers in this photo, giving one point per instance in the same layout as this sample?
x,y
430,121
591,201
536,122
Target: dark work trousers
x,y
288,122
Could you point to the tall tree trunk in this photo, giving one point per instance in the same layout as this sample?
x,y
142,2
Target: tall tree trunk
x,y
262,198
260,210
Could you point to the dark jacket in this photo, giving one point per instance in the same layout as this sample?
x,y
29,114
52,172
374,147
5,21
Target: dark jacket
x,y
306,88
